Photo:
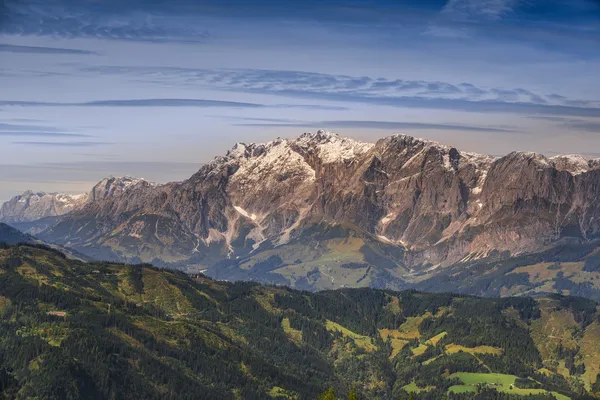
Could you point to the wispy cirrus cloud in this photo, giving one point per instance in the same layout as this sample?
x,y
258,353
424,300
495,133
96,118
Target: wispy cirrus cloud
x,y
25,128
105,21
382,125
571,123
479,9
589,126
42,134
11,48
28,130
63,144
203,103
362,89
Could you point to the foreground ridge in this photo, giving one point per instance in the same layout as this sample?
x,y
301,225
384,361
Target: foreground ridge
x,y
105,330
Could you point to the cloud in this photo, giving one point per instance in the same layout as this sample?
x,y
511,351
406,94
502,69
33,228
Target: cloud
x,y
26,128
136,103
310,107
42,134
478,9
378,91
567,122
256,119
105,21
165,103
588,126
63,144
11,48
385,125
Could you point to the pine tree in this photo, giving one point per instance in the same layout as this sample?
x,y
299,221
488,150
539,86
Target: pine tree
x,y
328,395
352,395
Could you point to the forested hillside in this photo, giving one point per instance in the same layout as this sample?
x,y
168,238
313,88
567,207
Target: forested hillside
x,y
71,330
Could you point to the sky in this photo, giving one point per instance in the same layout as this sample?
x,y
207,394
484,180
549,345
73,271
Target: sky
x,y
153,88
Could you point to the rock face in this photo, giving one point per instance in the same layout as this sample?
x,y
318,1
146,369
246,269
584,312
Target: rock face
x,y
111,187
300,211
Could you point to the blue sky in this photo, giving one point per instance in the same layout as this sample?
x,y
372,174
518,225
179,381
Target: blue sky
x,y
155,88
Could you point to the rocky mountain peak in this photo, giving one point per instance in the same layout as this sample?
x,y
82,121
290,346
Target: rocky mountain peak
x,y
573,163
411,141
321,135
113,186
329,147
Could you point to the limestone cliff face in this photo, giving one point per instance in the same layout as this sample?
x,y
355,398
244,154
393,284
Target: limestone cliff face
x,y
437,204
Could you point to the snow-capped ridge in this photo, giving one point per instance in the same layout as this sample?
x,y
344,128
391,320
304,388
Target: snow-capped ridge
x,y
412,141
574,163
331,147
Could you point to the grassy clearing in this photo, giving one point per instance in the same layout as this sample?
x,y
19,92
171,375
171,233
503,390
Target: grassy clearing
x,y
413,388
159,291
419,350
455,348
528,392
360,340
397,345
292,333
545,371
410,328
426,362
395,338
462,389
473,378
434,340
500,382
280,393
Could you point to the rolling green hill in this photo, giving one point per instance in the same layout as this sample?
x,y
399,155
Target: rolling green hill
x,y
71,330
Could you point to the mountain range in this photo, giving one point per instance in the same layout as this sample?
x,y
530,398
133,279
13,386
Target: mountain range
x,y
323,211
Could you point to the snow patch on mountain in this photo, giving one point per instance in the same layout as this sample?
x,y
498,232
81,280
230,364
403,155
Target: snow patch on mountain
x,y
261,163
245,213
573,163
330,147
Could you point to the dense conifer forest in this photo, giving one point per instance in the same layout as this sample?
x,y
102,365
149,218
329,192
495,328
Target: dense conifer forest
x,y
75,330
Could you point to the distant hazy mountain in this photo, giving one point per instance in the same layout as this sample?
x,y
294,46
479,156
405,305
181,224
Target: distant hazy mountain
x,y
323,211
31,206
34,212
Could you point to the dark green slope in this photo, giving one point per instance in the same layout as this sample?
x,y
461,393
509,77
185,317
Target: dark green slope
x,y
10,235
569,269
71,330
